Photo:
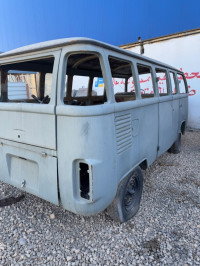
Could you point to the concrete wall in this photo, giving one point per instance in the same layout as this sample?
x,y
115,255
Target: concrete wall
x,y
182,53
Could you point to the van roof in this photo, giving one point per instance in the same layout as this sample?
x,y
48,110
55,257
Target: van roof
x,y
59,43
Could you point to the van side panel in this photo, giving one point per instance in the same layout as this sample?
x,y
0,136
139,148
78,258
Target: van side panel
x,y
183,108
111,144
166,136
143,137
88,140
175,117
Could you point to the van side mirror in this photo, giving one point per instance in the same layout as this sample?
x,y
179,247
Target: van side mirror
x,y
157,79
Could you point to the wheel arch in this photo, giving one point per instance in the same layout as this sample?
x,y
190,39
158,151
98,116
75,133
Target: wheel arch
x,y
143,164
117,209
183,127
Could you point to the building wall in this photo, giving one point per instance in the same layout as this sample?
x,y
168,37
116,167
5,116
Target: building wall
x,y
182,53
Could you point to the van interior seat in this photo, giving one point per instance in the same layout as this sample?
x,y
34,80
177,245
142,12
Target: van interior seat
x,y
125,96
147,95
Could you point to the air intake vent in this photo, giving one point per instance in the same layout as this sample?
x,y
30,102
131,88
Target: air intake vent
x,y
123,132
84,181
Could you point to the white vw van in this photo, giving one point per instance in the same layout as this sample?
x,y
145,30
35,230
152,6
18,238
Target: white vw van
x,y
91,117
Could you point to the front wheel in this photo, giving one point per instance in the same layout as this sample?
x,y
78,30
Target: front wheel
x,y
127,200
176,147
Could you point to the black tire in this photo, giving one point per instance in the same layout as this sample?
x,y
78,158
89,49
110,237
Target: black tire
x,y
127,200
176,147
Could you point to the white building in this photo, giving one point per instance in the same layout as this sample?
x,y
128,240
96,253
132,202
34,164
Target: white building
x,y
181,50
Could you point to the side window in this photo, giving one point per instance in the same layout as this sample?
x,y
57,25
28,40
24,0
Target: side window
x,y
162,82
122,80
145,78
29,81
172,78
182,87
84,83
120,85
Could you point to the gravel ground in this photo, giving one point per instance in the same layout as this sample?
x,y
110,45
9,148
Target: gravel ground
x,y
165,231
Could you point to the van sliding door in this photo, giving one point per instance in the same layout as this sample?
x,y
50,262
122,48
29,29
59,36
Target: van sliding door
x,y
183,99
165,111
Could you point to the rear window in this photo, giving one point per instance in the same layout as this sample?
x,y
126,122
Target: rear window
x,y
29,81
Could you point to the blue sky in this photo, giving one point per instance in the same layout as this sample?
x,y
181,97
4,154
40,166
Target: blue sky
x,y
116,22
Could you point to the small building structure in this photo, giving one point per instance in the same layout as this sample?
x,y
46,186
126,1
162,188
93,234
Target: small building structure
x,y
181,50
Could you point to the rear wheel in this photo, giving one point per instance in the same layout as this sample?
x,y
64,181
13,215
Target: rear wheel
x,y
127,200
176,147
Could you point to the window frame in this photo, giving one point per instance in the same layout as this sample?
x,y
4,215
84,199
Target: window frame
x,y
163,70
17,59
185,83
151,67
66,53
175,82
132,65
